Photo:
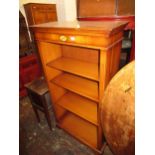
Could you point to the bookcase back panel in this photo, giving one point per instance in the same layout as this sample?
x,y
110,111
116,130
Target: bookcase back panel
x,y
79,53
52,73
59,112
56,92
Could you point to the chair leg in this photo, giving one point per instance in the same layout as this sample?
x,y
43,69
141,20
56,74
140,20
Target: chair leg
x,y
46,111
47,115
37,115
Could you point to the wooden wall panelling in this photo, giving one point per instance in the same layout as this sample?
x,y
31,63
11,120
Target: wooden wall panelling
x,y
105,8
97,7
126,7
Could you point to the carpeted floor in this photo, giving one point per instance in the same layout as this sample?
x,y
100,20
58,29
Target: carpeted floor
x,y
37,139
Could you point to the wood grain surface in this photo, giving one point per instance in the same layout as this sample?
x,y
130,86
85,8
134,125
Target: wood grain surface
x,y
118,112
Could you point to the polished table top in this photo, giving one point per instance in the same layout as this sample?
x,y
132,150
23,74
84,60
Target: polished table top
x,y
93,26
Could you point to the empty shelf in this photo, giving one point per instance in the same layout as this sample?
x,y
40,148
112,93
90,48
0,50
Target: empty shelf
x,y
79,85
85,69
80,106
80,129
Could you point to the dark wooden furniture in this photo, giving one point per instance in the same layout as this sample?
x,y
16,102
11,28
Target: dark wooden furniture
x,y
24,39
40,98
79,59
37,13
109,10
29,70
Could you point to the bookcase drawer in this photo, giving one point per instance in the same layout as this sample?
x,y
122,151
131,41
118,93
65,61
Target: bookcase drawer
x,y
73,39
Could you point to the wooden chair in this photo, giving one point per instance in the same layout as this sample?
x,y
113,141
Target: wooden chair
x,y
40,98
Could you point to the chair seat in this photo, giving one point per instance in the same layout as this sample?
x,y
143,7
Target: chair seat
x,y
38,86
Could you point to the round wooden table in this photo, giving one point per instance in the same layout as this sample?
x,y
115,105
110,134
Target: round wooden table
x,y
118,112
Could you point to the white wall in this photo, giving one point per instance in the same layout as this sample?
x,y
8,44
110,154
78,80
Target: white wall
x,y
66,10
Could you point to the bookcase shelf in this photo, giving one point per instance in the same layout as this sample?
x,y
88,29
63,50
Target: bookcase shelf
x,y
81,86
81,68
79,128
80,106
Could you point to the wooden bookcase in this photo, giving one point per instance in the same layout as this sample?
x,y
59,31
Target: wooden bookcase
x,y
79,59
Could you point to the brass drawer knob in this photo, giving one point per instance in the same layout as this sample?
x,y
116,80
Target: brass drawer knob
x,y
63,38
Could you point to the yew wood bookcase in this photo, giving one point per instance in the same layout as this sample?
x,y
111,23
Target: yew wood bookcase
x,y
79,59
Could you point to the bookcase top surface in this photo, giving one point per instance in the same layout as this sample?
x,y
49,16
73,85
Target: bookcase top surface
x,y
91,26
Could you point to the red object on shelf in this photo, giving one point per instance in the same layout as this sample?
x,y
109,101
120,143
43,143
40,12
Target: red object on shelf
x,y
29,70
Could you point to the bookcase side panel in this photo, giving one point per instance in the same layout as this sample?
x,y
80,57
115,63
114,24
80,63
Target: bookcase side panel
x,y
50,52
